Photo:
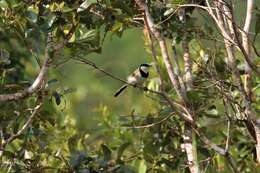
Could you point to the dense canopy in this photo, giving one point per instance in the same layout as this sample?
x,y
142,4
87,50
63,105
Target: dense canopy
x,y
61,62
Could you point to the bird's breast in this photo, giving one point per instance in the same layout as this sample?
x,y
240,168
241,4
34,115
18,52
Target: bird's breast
x,y
135,79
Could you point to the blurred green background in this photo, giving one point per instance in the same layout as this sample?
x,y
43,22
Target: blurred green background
x,y
95,90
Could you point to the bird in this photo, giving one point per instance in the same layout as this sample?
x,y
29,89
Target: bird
x,y
136,78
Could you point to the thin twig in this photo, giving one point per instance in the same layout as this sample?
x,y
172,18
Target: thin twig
x,y
156,33
228,136
151,124
157,66
21,130
184,113
37,82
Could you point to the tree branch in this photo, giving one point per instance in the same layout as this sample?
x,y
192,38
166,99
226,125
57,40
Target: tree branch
x,y
184,113
151,124
37,82
153,50
152,27
247,48
217,149
24,127
187,62
189,136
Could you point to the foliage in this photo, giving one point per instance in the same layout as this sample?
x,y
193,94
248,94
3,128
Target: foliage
x,y
60,140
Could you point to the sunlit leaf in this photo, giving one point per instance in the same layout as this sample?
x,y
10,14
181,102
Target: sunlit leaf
x,y
142,167
28,154
168,12
3,4
85,5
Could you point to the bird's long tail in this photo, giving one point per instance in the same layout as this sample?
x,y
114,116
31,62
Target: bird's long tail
x,y
121,89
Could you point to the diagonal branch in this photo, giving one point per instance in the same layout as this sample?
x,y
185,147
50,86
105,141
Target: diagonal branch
x,y
187,62
227,18
38,82
155,58
217,149
246,45
24,127
33,88
184,112
189,136
152,27
151,124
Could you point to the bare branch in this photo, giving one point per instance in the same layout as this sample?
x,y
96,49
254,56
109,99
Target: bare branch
x,y
152,27
184,113
228,137
190,146
157,66
227,13
37,84
226,25
189,136
227,22
24,127
250,5
151,124
247,48
187,62
217,149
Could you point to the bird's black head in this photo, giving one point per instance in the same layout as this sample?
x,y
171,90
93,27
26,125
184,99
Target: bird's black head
x,y
144,70
145,65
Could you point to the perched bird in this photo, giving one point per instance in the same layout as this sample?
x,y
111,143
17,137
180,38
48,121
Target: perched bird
x,y
136,78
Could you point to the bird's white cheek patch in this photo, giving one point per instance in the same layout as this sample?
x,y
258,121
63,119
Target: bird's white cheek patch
x,y
145,69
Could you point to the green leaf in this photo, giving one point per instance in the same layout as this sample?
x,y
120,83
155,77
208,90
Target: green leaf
x,y
121,150
72,142
212,111
8,154
28,154
170,164
168,12
3,4
85,5
86,36
126,169
108,3
107,152
142,167
31,16
48,22
118,28
13,3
